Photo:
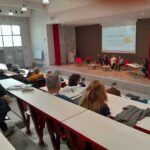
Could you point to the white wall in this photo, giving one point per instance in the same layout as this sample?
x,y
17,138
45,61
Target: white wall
x,y
67,40
38,31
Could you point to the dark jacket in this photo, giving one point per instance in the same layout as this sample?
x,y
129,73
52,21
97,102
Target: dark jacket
x,y
114,91
2,91
4,108
65,98
105,111
131,114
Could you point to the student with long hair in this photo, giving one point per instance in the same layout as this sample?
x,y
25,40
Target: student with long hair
x,y
95,98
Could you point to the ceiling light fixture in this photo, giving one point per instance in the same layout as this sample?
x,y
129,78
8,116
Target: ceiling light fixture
x,y
24,8
46,2
10,13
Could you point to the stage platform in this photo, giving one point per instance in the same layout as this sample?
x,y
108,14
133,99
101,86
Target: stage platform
x,y
126,80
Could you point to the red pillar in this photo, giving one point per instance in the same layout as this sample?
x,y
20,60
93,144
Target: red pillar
x,y
56,44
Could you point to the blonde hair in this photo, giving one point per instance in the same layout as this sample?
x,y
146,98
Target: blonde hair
x,y
94,97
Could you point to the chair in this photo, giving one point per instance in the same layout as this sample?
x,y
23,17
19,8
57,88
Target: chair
x,y
126,61
78,61
88,60
78,142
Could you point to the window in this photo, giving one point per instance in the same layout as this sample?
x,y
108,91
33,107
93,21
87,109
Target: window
x,y
7,41
17,41
6,30
10,36
16,30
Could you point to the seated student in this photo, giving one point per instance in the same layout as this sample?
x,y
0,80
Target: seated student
x,y
4,108
99,59
57,72
113,90
3,95
19,77
120,63
48,73
113,61
35,75
105,60
74,80
82,83
145,67
95,98
53,85
73,90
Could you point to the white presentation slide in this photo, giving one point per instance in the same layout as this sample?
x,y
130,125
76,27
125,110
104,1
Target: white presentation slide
x,y
119,39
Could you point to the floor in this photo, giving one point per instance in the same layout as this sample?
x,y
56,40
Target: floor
x,y
122,75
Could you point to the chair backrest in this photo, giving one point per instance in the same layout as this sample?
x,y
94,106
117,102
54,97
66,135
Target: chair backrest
x,y
78,60
126,61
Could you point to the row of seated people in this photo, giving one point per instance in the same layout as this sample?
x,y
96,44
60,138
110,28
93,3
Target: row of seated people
x,y
113,61
34,77
94,97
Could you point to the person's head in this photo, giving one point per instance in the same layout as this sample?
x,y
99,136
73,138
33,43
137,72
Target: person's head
x,y
74,80
57,72
119,57
83,79
36,70
53,83
15,68
94,96
114,84
49,73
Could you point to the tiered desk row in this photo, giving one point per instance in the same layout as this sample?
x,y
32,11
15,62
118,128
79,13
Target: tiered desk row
x,y
102,132
4,143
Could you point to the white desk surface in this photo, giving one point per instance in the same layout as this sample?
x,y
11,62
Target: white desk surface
x,y
51,105
116,104
135,65
4,143
10,73
3,66
108,133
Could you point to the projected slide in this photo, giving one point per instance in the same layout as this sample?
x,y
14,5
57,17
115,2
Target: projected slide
x,y
119,39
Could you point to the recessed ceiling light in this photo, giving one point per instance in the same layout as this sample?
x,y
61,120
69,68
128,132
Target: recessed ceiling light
x,y
24,8
10,13
46,2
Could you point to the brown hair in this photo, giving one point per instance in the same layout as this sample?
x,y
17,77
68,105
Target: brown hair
x,y
74,79
94,97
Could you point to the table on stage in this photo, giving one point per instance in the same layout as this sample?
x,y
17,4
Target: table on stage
x,y
4,143
106,67
137,67
107,133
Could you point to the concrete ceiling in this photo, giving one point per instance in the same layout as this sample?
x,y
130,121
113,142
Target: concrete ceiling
x,y
33,4
84,12
106,12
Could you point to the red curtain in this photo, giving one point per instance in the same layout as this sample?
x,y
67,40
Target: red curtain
x,y
56,44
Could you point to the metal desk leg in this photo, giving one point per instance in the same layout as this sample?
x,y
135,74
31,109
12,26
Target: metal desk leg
x,y
39,123
25,116
54,132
